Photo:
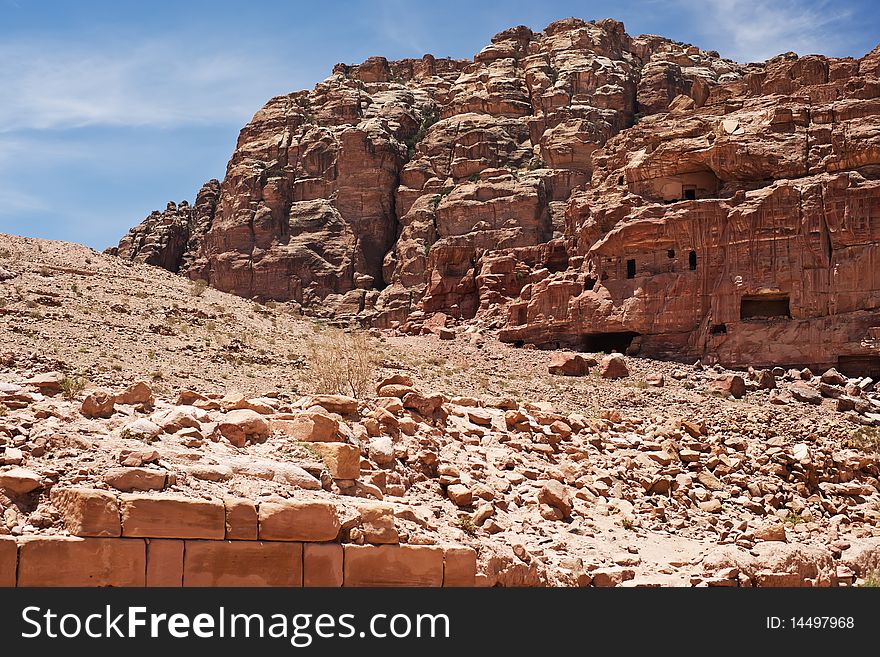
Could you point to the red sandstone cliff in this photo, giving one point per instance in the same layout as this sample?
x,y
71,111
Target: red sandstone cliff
x,y
572,186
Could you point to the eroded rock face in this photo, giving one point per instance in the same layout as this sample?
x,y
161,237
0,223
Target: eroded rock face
x,y
168,239
741,231
576,186
348,188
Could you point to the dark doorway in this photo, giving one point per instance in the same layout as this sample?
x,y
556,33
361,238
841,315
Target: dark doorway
x,y
670,253
689,194
859,366
608,342
718,329
764,305
630,268
692,260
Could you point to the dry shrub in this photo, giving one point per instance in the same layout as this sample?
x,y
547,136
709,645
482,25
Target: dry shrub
x,y
72,386
197,287
866,439
341,362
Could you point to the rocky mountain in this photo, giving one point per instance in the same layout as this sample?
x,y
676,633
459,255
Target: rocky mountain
x,y
576,187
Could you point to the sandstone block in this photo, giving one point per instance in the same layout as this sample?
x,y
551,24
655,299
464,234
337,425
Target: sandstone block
x,y
309,427
241,519
48,383
87,512
98,404
391,565
377,523
172,516
164,562
613,366
298,520
242,563
557,496
242,426
136,393
729,385
135,479
460,495
322,564
62,561
336,403
568,365
459,566
342,460
611,576
8,561
19,481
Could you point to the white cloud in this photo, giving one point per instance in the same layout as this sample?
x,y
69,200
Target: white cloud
x,y
14,202
755,30
401,25
164,82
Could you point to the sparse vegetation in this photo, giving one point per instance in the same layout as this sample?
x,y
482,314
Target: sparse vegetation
x,y
72,386
466,524
794,519
341,362
866,439
628,524
871,581
143,437
536,163
435,201
4,410
197,288
430,116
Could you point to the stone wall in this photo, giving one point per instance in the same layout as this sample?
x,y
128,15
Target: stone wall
x,y
171,540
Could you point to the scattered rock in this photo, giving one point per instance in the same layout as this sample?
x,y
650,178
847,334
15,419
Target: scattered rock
x,y
613,366
568,365
19,481
98,404
242,426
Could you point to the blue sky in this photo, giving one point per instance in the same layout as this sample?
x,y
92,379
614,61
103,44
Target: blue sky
x,y
110,109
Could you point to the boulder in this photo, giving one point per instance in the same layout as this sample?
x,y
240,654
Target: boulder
x,y
98,404
729,385
557,496
613,366
137,393
19,481
568,365
242,426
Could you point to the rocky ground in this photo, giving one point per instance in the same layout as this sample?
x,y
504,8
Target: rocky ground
x,y
611,471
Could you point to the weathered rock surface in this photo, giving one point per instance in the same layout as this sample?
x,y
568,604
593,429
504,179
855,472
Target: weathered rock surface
x,y
597,189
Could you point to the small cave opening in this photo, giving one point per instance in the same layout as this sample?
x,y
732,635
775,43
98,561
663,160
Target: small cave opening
x,y
859,365
608,342
589,283
718,329
670,253
764,306
631,268
689,194
692,260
